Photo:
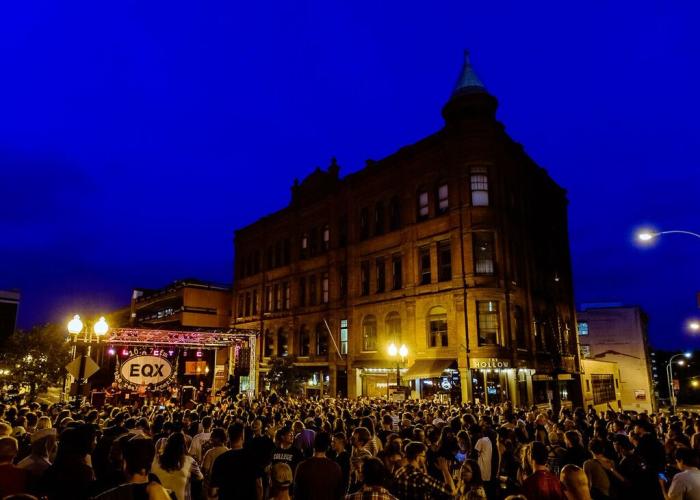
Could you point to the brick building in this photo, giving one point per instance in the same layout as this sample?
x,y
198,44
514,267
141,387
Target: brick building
x,y
455,246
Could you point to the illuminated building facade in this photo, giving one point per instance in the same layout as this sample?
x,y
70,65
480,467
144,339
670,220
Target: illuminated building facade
x,y
455,246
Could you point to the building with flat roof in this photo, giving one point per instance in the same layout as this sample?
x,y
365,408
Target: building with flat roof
x,y
617,333
9,307
456,247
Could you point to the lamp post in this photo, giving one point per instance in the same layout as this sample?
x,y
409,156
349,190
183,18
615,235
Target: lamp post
x,y
645,236
669,375
75,328
400,354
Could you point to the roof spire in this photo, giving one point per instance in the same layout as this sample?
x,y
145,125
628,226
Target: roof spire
x,y
468,82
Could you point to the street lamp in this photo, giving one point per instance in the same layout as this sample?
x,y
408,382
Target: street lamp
x,y
75,328
694,325
646,236
669,375
402,353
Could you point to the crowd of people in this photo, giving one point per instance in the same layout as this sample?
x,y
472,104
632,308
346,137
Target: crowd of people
x,y
274,447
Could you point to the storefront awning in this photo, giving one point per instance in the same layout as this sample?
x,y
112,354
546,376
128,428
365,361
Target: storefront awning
x,y
428,368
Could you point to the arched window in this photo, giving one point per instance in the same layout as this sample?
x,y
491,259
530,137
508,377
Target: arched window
x,y
369,333
282,343
393,327
269,344
437,327
304,341
321,340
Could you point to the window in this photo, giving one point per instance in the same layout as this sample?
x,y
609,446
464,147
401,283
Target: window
x,y
369,333
278,254
313,241
255,301
483,253
423,209
424,263
520,340
282,343
396,273
364,223
321,340
286,251
302,291
256,261
343,231
269,344
583,327
287,293
603,388
379,218
394,214
326,237
241,305
442,197
364,277
304,245
444,261
278,297
313,297
586,351
437,327
479,183
381,275
343,336
343,280
487,318
268,298
269,257
304,341
393,327
324,288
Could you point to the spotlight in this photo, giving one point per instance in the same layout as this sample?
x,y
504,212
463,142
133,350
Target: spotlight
x,y
111,351
170,353
199,354
156,352
125,352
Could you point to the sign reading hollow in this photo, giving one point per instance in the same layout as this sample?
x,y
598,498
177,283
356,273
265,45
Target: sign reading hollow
x,y
146,370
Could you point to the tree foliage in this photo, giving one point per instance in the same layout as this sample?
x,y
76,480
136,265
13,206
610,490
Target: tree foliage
x,y
36,357
284,377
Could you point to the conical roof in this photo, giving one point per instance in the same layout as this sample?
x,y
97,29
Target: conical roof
x,y
468,82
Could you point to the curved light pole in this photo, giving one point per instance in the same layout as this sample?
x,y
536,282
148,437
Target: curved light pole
x,y
646,236
669,375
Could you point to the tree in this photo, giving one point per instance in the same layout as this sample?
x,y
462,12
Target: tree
x,y
36,357
284,377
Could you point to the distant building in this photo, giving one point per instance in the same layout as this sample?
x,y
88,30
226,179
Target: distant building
x,y
617,333
9,306
456,246
601,384
184,303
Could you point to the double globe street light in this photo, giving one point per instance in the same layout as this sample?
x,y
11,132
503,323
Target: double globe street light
x,y
400,354
75,328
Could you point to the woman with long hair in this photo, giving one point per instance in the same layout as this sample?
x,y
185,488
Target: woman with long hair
x,y
470,485
175,468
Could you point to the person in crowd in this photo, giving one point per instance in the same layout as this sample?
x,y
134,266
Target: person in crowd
x,y
686,484
575,483
176,469
280,481
575,453
359,453
542,484
216,448
285,451
138,454
319,477
470,483
374,477
234,474
341,456
200,439
70,476
13,479
43,447
412,482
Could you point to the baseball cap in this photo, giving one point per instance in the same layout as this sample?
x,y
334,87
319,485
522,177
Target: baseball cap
x,y
281,474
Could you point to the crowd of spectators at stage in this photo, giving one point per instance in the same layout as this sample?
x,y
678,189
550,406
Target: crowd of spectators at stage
x,y
273,447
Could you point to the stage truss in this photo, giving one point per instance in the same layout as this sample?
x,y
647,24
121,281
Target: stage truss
x,y
192,338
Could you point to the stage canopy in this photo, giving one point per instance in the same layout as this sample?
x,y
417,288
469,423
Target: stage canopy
x,y
202,338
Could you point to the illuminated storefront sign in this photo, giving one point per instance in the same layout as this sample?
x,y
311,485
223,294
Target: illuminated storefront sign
x,y
486,363
145,370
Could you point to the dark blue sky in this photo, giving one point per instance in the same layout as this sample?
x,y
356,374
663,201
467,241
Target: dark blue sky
x,y
135,136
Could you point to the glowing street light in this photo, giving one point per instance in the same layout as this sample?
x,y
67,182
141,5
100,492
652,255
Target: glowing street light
x,y
402,353
694,325
75,328
669,374
646,235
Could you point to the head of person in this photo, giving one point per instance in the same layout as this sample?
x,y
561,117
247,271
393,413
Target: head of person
x,y
360,437
339,442
218,437
138,453
574,481
415,453
284,437
173,456
470,473
373,472
623,445
686,458
280,477
322,442
43,442
235,434
596,447
8,449
572,439
538,453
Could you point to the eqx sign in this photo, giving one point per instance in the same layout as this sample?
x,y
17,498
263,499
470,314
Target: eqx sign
x,y
146,370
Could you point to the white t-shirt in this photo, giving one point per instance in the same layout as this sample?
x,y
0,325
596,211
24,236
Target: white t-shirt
x,y
483,446
685,485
